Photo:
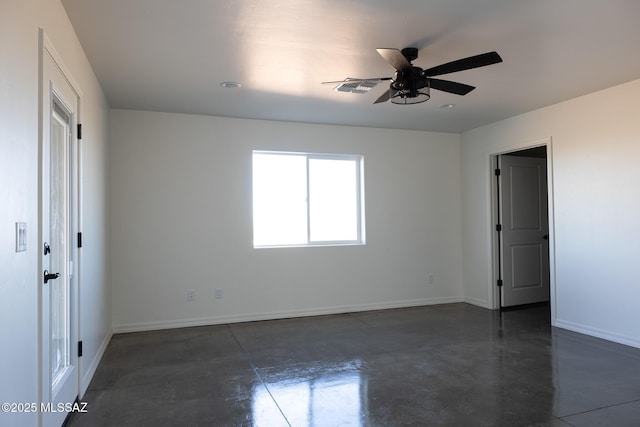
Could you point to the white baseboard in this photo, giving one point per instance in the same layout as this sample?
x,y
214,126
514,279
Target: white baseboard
x,y
598,333
478,302
250,317
88,376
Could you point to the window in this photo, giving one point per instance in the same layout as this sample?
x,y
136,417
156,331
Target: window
x,y
306,199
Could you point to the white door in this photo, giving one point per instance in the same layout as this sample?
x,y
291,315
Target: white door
x,y
59,292
525,230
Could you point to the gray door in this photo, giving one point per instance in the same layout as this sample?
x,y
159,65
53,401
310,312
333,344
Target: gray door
x,y
525,228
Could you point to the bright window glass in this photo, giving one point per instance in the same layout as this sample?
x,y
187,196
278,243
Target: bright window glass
x,y
306,199
333,201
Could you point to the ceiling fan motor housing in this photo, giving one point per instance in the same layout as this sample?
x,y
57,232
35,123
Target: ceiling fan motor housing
x,y
410,53
410,86
406,78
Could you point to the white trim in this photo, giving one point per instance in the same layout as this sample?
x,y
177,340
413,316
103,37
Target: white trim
x,y
478,302
552,232
47,46
598,333
91,369
251,317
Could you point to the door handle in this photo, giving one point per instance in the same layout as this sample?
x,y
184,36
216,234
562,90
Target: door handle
x,y
545,237
50,276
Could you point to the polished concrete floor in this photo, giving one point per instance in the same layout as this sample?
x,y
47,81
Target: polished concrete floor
x,y
447,365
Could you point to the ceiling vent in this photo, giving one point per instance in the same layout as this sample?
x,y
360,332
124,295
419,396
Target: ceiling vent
x,y
356,87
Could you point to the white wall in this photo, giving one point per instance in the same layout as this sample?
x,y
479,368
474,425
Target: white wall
x,y
19,274
181,219
595,152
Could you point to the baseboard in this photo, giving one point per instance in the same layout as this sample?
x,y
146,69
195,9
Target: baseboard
x,y
478,302
598,333
251,317
88,376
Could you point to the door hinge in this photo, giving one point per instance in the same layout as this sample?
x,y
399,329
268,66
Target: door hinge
x,y
497,172
499,283
79,348
79,240
498,227
79,131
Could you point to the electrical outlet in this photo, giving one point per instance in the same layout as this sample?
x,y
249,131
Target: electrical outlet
x,y
218,293
191,295
430,279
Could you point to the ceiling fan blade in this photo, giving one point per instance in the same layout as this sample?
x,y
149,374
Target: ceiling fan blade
x,y
387,95
348,80
464,64
449,86
395,58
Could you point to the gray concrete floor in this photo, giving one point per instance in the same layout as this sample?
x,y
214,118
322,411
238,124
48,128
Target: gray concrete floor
x,y
447,365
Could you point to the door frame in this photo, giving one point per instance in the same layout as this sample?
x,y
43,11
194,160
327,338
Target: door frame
x,y
493,215
47,52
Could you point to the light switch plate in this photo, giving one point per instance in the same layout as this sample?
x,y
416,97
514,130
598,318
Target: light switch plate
x,y
21,236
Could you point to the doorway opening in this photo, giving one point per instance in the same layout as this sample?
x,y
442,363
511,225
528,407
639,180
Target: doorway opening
x,y
521,222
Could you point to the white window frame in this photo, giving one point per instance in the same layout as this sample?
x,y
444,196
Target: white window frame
x,y
359,163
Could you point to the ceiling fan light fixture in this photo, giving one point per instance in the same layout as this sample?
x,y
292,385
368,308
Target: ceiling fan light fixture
x,y
407,97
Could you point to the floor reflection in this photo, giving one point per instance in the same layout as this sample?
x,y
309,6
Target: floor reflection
x,y
335,398
452,365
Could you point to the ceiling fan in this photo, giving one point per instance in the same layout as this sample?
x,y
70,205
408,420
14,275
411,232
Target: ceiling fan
x,y
411,84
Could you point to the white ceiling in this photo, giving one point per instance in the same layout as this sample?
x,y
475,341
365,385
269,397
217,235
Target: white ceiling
x,y
169,55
